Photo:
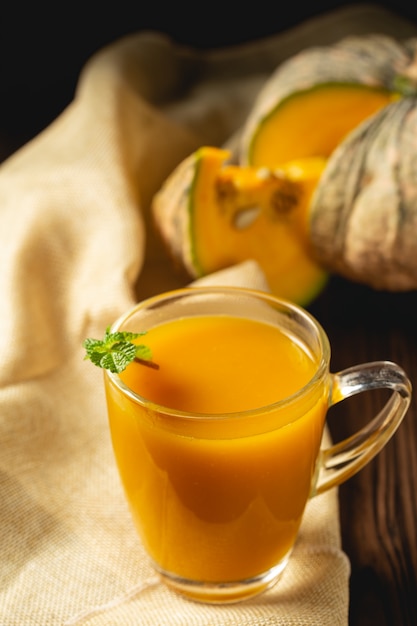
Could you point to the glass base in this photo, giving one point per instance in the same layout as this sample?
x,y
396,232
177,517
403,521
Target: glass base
x,y
222,593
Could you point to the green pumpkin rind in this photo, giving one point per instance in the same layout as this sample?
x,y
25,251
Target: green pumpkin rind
x,y
171,213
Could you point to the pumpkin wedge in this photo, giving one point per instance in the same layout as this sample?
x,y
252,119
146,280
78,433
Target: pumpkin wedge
x,y
213,214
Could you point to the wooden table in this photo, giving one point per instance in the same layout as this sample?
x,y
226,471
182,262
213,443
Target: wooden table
x,y
378,507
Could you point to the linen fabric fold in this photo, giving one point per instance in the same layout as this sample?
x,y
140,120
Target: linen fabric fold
x,y
77,249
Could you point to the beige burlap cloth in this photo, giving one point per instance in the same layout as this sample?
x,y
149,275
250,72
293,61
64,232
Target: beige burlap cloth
x,y
76,250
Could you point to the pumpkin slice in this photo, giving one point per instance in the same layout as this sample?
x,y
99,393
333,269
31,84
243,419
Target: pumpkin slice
x,y
311,122
212,215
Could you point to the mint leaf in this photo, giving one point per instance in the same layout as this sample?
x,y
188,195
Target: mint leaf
x,y
116,350
144,353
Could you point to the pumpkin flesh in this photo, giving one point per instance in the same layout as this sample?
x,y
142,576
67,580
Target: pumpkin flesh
x,y
313,122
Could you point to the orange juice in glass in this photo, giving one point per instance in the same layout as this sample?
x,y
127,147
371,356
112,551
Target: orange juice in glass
x,y
219,449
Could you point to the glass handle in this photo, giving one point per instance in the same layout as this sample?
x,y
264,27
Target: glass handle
x,y
341,461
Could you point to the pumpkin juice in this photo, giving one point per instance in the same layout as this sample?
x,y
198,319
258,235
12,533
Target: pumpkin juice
x,y
217,484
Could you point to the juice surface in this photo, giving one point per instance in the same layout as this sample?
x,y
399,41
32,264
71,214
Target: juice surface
x,y
220,365
218,500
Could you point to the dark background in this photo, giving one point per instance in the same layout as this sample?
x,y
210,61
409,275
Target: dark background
x,y
43,50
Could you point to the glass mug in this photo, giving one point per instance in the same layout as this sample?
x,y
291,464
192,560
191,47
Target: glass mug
x,y
217,478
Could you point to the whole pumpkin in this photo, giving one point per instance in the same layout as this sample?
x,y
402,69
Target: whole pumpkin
x,y
363,213
331,142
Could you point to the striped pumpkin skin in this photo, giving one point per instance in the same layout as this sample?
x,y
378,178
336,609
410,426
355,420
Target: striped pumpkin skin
x,y
363,216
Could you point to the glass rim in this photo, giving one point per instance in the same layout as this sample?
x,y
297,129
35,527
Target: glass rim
x,y
147,303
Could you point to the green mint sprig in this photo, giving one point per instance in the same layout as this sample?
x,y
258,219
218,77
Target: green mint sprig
x,y
116,350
